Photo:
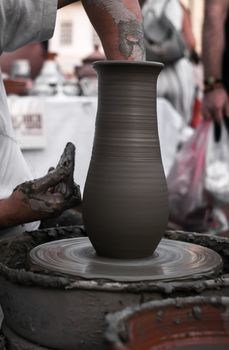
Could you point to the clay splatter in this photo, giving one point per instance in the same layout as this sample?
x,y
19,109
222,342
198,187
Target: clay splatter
x,y
197,313
159,315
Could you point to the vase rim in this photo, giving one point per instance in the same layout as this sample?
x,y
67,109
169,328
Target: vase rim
x,y
126,62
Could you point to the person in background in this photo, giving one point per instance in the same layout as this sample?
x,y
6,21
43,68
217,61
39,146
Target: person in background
x,y
215,59
176,82
215,104
119,26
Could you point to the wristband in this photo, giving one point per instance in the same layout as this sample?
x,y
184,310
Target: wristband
x,y
212,83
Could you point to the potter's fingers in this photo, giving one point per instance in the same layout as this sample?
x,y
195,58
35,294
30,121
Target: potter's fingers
x,y
54,203
68,189
63,189
67,161
68,156
50,189
49,180
51,169
48,204
77,192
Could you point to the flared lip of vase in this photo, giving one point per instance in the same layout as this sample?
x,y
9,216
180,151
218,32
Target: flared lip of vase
x,y
127,63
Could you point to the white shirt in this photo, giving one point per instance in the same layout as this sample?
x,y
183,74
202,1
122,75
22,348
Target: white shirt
x,y
176,82
21,22
172,10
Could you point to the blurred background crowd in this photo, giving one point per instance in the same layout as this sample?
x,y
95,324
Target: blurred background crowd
x,y
195,151
72,48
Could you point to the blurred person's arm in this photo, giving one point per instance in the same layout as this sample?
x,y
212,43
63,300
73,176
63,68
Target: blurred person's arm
x,y
119,26
215,101
187,29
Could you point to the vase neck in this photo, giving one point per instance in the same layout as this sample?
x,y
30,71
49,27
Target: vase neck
x,y
135,88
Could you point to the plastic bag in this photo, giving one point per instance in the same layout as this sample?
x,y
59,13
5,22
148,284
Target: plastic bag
x,y
217,166
186,178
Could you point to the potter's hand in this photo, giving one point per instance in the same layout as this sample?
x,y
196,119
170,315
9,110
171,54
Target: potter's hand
x,y
47,196
216,104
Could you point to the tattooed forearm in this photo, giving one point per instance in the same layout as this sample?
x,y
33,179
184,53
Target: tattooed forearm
x,y
125,16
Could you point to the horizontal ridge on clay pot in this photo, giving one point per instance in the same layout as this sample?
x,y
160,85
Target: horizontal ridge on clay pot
x,y
125,207
193,323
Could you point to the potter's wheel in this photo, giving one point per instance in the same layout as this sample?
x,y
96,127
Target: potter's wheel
x,y
171,260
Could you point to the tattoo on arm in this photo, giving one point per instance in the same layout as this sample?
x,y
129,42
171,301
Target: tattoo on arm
x,y
131,39
128,24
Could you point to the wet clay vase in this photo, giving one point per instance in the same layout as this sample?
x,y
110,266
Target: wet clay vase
x,y
125,206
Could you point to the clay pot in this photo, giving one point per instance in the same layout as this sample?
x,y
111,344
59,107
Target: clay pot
x,y
125,206
194,323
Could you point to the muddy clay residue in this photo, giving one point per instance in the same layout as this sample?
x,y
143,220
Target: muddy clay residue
x,y
81,297
15,268
218,244
181,320
14,256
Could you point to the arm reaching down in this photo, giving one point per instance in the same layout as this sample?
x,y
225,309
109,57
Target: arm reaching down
x,y
117,22
119,26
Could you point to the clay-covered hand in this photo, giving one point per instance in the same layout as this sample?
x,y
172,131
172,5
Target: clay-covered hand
x,y
49,195
216,104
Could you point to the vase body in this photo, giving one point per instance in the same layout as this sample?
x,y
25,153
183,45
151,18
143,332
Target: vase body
x,y
125,205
